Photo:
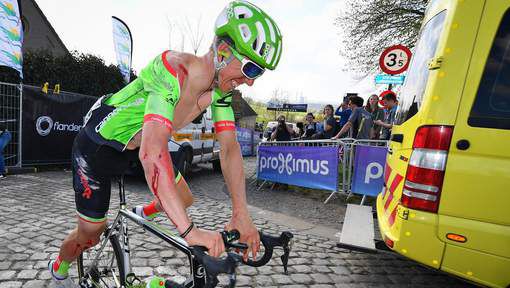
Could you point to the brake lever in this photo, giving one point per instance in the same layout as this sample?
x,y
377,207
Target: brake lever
x,y
229,237
269,242
214,266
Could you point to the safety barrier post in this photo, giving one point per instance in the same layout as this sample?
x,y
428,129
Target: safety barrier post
x,y
10,116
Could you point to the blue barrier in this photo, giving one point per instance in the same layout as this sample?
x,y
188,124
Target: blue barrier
x,y
368,174
312,167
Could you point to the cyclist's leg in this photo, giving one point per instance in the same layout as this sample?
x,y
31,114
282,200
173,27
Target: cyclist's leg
x,y
150,210
92,197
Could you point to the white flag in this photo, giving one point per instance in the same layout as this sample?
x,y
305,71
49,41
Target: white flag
x,y
11,35
123,44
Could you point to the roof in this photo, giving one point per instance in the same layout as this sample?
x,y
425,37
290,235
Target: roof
x,y
47,22
240,106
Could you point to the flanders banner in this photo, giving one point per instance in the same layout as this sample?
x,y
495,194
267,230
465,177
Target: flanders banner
x,y
312,167
50,123
11,35
123,43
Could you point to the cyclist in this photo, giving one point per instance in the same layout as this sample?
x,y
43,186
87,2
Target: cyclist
x,y
138,120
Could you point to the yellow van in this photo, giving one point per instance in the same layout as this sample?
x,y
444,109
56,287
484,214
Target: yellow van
x,y
446,201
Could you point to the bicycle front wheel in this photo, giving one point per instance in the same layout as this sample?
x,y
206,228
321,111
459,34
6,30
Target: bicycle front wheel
x,y
108,271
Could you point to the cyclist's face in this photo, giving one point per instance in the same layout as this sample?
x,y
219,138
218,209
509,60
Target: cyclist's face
x,y
232,77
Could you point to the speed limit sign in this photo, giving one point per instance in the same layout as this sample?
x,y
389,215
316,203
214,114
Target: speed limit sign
x,y
395,59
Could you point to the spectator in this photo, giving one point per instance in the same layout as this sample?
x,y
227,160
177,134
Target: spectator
x,y
343,111
390,102
310,127
282,132
5,137
377,114
301,129
329,124
360,120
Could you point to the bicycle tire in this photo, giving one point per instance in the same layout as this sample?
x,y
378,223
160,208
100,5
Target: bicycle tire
x,y
95,274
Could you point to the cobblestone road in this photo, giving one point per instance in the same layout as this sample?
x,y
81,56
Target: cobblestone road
x,y
37,211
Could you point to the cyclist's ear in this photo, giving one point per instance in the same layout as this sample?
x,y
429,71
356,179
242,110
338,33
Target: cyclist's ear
x,y
224,50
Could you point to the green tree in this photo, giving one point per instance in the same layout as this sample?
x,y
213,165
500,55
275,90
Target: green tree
x,y
77,72
372,25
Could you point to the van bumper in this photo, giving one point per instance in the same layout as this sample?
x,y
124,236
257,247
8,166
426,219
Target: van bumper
x,y
413,234
476,266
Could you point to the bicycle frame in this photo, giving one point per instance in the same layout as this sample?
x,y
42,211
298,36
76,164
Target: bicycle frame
x,y
197,271
203,268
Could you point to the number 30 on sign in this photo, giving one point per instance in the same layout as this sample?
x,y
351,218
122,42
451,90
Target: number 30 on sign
x,y
395,59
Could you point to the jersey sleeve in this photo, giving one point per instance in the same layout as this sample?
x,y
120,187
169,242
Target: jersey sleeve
x,y
222,113
162,87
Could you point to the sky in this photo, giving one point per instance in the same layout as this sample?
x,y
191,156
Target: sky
x,y
310,66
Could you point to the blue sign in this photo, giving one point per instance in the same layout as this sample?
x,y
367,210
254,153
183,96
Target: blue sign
x,y
389,79
245,139
368,178
288,107
312,167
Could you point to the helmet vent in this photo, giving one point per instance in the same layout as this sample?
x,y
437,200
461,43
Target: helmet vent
x,y
245,32
262,47
271,30
242,12
261,38
222,19
279,51
270,55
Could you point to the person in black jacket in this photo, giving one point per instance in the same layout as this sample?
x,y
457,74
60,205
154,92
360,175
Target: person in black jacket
x,y
5,137
282,132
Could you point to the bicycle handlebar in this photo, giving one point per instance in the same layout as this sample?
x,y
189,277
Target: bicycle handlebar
x,y
269,242
227,265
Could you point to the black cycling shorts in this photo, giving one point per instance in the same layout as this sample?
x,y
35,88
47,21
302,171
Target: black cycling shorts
x,y
93,167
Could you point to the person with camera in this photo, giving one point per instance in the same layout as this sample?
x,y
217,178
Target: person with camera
x,y
282,131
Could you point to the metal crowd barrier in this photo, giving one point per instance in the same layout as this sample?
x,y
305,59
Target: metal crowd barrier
x,y
347,148
348,162
10,115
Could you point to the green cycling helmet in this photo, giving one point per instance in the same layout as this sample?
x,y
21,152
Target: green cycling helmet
x,y
254,33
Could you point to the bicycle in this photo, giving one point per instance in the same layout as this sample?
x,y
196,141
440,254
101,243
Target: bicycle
x,y
110,266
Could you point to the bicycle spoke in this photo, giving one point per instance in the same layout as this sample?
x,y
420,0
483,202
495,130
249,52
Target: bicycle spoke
x,y
107,264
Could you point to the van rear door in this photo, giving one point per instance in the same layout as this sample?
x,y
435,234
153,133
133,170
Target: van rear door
x,y
476,193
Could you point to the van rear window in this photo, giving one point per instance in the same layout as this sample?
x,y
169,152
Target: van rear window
x,y
411,96
491,108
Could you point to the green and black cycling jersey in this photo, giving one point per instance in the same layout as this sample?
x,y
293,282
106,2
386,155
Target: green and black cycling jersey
x,y
113,120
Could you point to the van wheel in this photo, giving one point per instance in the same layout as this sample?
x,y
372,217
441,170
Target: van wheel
x,y
216,166
185,162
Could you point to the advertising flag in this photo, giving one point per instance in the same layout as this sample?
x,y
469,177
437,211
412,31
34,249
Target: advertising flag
x,y
123,44
11,35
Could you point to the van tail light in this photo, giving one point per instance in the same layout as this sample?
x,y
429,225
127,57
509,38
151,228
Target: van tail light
x,y
425,172
389,242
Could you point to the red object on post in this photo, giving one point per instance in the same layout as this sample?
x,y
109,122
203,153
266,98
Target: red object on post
x,y
395,59
381,96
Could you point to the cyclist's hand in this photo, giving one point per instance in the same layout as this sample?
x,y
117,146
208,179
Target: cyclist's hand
x,y
209,239
249,234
